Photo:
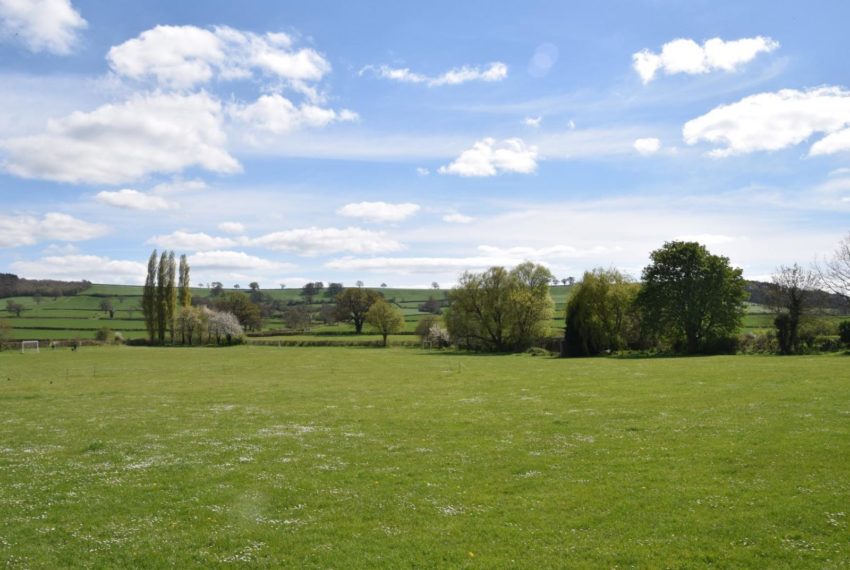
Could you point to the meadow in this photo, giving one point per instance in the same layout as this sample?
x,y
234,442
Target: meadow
x,y
80,316
402,458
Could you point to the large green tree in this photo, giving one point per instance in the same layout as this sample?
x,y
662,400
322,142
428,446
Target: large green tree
x,y
600,314
384,318
240,305
500,310
690,296
352,304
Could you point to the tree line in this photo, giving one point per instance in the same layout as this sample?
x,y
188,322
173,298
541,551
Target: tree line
x,y
13,286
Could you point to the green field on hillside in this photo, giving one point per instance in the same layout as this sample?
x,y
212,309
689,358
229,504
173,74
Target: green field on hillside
x,y
79,317
362,458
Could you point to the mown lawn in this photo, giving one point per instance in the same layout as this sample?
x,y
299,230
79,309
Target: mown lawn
x,y
400,458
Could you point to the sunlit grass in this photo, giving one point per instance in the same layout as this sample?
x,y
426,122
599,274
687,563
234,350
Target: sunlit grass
x,y
361,458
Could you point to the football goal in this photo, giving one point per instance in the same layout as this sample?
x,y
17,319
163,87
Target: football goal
x,y
29,346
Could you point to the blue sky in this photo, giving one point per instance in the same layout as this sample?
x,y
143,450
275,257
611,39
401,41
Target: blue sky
x,y
285,142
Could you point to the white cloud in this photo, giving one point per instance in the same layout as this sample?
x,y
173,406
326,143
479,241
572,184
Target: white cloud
x,y
457,218
647,146
379,211
183,57
277,114
133,200
315,241
496,71
177,186
234,261
96,269
773,121
709,239
532,121
56,249
27,230
520,253
488,257
124,142
41,25
232,227
191,241
488,158
422,171
687,56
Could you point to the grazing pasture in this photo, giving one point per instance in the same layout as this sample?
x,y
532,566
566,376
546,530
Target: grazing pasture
x,y
363,458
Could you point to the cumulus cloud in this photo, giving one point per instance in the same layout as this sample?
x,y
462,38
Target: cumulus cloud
x,y
191,241
488,157
177,186
773,121
183,57
496,71
422,171
532,121
97,269
124,142
647,146
316,241
27,230
41,25
278,115
457,218
232,227
709,239
379,211
687,56
133,200
234,261
488,257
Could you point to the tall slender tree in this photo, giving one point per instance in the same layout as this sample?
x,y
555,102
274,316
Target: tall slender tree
x,y
185,287
171,295
162,297
149,298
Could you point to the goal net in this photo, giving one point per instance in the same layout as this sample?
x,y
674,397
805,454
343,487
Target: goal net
x,y
29,346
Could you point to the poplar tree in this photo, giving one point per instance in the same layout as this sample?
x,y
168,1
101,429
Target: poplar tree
x,y
149,298
161,302
185,290
171,294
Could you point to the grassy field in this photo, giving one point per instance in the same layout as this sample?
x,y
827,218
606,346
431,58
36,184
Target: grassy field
x,y
399,458
80,316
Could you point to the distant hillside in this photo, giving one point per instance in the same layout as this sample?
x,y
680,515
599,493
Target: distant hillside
x,y
761,292
13,286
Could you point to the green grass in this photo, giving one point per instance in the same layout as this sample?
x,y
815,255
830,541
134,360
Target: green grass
x,y
399,458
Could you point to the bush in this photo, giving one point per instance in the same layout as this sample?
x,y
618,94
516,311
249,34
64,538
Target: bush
x,y
104,334
760,342
844,333
720,345
537,351
828,343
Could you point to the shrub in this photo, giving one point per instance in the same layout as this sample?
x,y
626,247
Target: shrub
x,y
720,345
104,334
759,342
827,343
844,333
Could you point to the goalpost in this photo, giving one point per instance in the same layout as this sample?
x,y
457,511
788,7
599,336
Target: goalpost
x,y
31,345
